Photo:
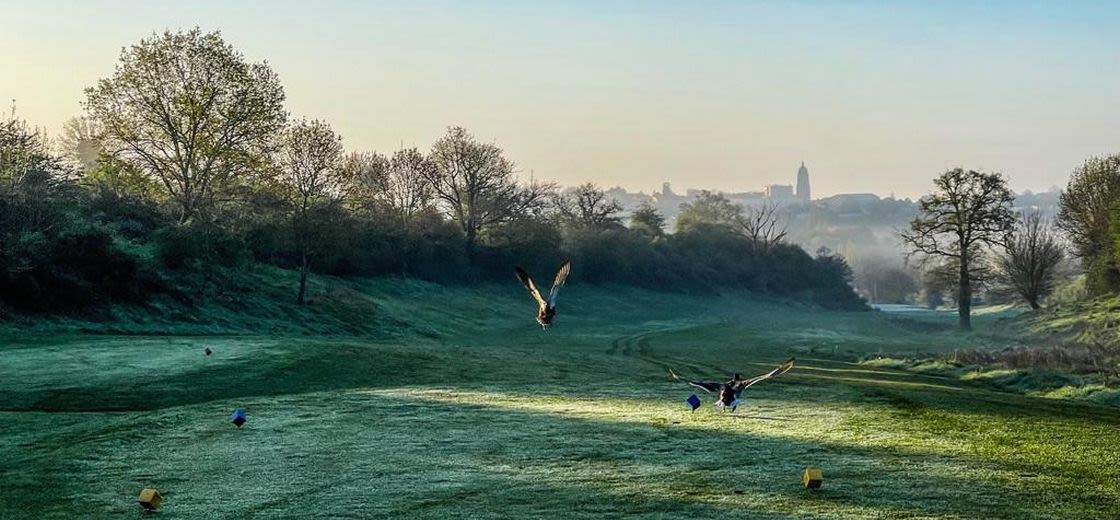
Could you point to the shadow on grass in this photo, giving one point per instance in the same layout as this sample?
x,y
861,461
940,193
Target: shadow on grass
x,y
291,370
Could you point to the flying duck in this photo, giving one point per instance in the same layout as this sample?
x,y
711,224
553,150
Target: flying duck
x,y
546,309
730,390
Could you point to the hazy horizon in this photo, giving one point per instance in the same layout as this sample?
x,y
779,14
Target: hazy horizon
x,y
874,98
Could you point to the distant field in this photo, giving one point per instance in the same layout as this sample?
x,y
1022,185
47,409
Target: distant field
x,y
456,405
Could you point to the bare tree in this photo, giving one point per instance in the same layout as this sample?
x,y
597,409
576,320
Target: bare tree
x,y
1031,257
309,167
588,206
967,212
407,190
761,227
475,182
187,109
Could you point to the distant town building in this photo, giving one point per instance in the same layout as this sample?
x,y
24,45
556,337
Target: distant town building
x,y
779,192
849,202
803,192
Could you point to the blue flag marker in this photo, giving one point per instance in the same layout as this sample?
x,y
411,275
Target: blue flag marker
x,y
693,402
238,417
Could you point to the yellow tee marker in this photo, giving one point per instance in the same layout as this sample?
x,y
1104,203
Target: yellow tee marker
x,y
812,478
149,499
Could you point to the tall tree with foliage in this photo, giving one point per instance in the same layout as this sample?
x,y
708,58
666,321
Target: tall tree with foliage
x,y
187,109
709,209
1085,214
309,167
587,206
475,182
364,173
647,220
1030,260
968,212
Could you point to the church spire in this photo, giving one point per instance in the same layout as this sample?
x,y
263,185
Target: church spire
x,y
803,192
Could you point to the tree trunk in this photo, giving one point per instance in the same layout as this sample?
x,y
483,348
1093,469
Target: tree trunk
x,y
964,296
1034,304
304,269
472,236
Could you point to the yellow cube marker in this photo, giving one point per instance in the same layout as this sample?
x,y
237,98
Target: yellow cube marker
x,y
149,499
812,478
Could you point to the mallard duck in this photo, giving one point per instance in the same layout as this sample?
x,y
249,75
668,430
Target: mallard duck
x,y
546,309
730,390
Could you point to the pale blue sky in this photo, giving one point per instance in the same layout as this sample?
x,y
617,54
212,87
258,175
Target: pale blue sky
x,y
873,96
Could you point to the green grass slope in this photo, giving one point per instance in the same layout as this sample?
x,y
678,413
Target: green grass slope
x,y
452,403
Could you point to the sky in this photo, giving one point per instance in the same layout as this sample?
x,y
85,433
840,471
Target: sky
x,y
873,96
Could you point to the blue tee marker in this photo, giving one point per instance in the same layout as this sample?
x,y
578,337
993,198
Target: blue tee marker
x,y
693,402
238,417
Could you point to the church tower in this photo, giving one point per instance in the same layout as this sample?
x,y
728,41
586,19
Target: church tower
x,y
803,183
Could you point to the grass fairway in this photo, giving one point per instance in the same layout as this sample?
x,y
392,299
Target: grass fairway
x,y
461,407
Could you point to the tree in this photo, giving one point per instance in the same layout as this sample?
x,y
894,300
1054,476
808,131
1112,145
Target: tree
x,y
1085,212
587,206
26,160
364,173
309,167
968,211
1029,263
760,226
885,280
648,220
406,190
943,274
709,209
476,185
188,110
81,142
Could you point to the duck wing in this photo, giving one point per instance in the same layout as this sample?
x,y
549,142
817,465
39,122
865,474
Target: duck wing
x,y
747,383
707,386
528,282
558,282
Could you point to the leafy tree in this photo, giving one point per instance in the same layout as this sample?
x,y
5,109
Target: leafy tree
x,y
475,183
364,174
119,177
709,209
309,167
1085,212
188,110
968,211
648,220
587,206
32,183
1030,261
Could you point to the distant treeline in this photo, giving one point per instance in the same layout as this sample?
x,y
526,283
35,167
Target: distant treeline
x,y
187,170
